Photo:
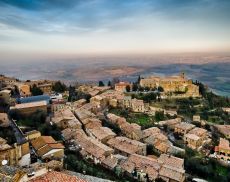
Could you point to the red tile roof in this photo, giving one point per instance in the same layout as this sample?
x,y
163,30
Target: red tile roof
x,y
54,176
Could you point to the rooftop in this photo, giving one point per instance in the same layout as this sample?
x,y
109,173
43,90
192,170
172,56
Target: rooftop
x,y
192,136
34,99
198,131
185,126
224,144
44,144
55,176
142,163
29,105
126,145
102,132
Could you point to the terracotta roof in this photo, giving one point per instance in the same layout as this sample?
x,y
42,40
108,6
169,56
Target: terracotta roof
x,y
224,129
198,131
142,163
224,144
150,131
92,147
185,126
110,161
170,122
44,144
102,132
122,84
171,161
172,173
173,167
30,104
70,133
55,176
192,136
126,145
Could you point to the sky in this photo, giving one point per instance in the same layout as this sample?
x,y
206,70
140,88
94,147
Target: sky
x,y
34,28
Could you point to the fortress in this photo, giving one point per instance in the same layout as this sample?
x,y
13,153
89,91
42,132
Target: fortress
x,y
176,85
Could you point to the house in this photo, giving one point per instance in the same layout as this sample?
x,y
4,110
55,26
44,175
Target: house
x,y
200,132
132,131
11,173
57,176
141,168
5,96
173,84
126,146
92,149
82,113
46,88
137,105
196,118
224,130
65,118
112,161
103,134
24,90
153,136
113,103
172,168
100,101
226,109
121,86
71,133
222,151
27,109
196,137
90,123
17,154
193,141
126,102
4,120
183,128
171,123
46,148
79,103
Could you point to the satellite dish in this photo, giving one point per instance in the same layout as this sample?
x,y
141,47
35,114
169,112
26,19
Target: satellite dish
x,y
4,162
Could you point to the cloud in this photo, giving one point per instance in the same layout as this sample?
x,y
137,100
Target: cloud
x,y
61,16
107,25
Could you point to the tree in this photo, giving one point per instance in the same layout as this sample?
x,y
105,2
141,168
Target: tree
x,y
101,84
160,89
138,79
109,83
159,115
128,88
59,87
114,81
35,90
135,87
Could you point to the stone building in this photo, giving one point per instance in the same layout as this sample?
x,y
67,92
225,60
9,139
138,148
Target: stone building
x,y
173,84
46,148
121,86
223,150
27,109
126,146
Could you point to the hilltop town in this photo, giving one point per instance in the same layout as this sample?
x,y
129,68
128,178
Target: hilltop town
x,y
168,129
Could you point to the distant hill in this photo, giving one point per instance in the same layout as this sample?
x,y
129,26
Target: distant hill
x,y
211,70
